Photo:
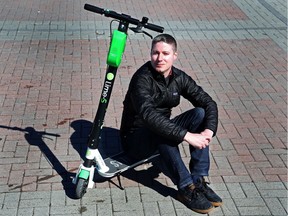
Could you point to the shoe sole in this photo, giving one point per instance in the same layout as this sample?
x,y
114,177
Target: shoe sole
x,y
217,204
201,211
206,211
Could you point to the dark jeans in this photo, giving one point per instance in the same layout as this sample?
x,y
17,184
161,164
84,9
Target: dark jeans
x,y
143,142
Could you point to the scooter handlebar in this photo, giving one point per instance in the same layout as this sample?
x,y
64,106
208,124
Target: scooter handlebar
x,y
124,17
94,9
154,27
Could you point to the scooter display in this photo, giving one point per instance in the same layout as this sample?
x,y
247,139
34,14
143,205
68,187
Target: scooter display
x,y
114,165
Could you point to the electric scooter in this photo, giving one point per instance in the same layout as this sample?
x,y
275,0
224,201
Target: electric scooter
x,y
115,165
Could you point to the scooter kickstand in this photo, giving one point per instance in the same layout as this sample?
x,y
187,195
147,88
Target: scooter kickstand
x,y
119,181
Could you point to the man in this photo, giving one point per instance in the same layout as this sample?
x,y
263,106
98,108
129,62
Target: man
x,y
146,126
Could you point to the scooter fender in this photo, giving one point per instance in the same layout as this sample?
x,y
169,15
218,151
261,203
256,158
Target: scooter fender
x,y
85,173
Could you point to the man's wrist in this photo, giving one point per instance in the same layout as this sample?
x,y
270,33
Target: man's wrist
x,y
208,132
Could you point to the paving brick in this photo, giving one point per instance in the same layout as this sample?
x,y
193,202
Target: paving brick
x,y
268,185
257,175
250,202
133,207
274,171
283,202
151,208
273,193
233,179
58,198
9,212
239,168
275,206
242,149
258,155
230,207
10,199
38,211
235,190
254,210
25,211
65,210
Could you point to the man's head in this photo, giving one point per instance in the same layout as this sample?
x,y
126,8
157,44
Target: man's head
x,y
165,38
163,53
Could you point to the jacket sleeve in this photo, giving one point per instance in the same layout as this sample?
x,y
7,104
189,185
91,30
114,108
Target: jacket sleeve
x,y
199,98
143,100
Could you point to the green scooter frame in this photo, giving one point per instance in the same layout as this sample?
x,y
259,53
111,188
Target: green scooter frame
x,y
85,174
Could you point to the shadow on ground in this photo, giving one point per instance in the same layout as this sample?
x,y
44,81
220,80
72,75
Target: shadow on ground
x,y
110,145
36,138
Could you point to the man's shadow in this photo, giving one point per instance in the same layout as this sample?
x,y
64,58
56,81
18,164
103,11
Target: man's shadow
x,y
35,138
110,145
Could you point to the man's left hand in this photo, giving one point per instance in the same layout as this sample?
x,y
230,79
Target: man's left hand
x,y
208,134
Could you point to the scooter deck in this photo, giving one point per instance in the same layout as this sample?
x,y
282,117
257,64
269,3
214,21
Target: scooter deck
x,y
122,162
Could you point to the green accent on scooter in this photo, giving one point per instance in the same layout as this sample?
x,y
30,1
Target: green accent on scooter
x,y
84,174
117,48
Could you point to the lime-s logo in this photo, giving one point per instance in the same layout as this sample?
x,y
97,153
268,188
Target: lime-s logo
x,y
107,85
106,88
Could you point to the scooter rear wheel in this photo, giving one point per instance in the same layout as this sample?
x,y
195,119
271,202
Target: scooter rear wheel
x,y
81,187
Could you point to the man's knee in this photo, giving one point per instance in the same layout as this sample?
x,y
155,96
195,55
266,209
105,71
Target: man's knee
x,y
196,122
199,112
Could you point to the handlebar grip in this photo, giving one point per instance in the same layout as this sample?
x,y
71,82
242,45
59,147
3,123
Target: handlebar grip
x,y
94,9
154,27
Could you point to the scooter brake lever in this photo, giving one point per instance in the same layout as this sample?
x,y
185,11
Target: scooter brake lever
x,y
146,33
138,29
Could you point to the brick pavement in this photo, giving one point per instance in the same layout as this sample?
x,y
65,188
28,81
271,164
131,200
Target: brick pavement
x,y
52,63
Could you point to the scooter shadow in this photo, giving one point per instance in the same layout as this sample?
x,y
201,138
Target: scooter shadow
x,y
110,145
36,138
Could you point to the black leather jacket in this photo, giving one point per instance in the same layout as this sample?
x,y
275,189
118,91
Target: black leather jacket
x,y
150,99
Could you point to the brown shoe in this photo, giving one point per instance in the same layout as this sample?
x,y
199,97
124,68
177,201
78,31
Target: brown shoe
x,y
194,199
209,193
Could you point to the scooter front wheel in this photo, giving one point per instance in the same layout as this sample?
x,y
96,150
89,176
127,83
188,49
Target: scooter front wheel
x,y
81,187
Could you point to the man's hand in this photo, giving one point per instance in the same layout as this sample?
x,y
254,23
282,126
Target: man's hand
x,y
199,141
208,134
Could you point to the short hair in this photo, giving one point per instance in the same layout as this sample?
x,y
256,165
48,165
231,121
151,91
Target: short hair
x,y
165,38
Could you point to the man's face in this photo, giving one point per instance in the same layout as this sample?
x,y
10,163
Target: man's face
x,y
162,57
